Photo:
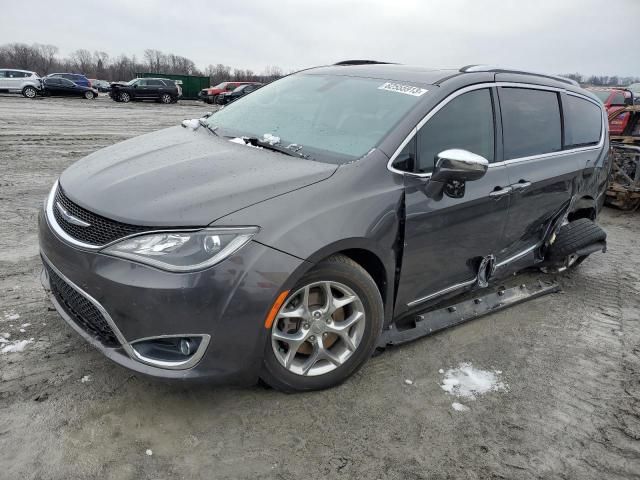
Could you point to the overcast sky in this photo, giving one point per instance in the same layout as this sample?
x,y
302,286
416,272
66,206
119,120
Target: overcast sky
x,y
553,36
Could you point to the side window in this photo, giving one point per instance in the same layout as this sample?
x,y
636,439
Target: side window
x,y
618,100
530,122
231,87
406,159
66,83
465,122
155,83
142,83
582,122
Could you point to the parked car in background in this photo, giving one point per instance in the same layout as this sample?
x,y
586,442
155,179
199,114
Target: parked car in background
x,y
241,91
101,85
624,125
613,98
378,192
635,88
210,95
76,78
20,81
159,89
62,87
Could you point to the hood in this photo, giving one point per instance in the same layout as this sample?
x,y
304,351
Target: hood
x,y
183,178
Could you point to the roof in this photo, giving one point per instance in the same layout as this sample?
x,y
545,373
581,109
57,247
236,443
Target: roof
x,y
18,70
387,71
418,74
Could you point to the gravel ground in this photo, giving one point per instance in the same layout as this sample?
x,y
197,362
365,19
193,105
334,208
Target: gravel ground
x,y
571,362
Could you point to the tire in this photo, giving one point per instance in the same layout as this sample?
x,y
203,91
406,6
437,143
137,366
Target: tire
x,y
89,95
165,98
314,333
124,97
572,237
29,92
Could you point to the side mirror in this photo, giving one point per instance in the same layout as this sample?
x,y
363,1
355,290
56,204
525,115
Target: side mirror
x,y
453,169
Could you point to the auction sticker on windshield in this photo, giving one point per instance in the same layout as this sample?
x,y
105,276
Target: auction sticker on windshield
x,y
406,89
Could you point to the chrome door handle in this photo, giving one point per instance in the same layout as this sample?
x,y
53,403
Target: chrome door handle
x,y
521,186
501,192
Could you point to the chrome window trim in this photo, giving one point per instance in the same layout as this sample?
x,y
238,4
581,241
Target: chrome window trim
x,y
128,346
444,291
480,86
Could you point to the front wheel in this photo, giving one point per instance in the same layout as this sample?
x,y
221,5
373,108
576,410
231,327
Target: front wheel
x,y
125,97
29,92
165,98
325,330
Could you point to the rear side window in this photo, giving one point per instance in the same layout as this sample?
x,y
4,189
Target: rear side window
x,y
530,122
582,122
465,122
155,83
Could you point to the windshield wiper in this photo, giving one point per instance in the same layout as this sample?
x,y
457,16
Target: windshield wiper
x,y
292,150
203,123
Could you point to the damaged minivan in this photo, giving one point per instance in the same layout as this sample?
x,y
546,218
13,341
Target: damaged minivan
x,y
281,236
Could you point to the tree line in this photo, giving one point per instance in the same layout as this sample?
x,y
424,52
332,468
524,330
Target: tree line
x,y
44,59
602,80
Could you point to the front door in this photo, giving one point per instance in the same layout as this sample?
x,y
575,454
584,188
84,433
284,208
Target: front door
x,y
446,239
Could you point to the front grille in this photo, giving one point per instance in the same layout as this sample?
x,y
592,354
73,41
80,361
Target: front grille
x,y
100,231
81,310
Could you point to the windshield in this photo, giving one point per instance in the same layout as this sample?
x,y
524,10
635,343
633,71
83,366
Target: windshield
x,y
131,82
221,85
329,118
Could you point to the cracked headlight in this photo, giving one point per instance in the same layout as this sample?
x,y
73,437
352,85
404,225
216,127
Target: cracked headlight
x,y
183,251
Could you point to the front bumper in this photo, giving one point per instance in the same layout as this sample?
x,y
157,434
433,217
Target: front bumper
x,y
226,303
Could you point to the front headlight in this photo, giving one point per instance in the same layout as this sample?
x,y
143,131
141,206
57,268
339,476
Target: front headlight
x,y
178,251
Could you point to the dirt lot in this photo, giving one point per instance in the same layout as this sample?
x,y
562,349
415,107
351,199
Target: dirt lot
x,y
571,362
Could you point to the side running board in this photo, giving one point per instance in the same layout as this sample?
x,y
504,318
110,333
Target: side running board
x,y
430,322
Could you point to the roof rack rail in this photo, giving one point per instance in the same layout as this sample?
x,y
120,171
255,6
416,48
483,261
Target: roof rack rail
x,y
489,68
361,62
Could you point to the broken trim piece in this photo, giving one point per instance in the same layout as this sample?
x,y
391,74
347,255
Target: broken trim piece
x,y
435,320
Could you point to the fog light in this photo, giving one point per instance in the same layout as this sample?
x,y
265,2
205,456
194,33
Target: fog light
x,y
185,347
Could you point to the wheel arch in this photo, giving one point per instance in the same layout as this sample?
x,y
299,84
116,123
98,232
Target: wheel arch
x,y
365,253
584,207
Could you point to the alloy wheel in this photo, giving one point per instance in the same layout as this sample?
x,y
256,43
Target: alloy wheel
x,y
318,329
165,98
125,97
30,92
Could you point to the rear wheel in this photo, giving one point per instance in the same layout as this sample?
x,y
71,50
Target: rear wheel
x,y
89,95
564,253
125,97
325,330
29,92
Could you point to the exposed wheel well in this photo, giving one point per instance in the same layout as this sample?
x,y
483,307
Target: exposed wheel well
x,y
589,213
372,264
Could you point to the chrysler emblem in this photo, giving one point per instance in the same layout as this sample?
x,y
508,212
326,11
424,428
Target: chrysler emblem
x,y
70,218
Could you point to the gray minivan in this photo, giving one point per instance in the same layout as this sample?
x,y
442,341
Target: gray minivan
x,y
279,236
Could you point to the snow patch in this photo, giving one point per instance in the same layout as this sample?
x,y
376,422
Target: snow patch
x,y
458,407
469,382
11,316
270,139
85,379
149,452
16,346
25,325
408,382
241,141
193,124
